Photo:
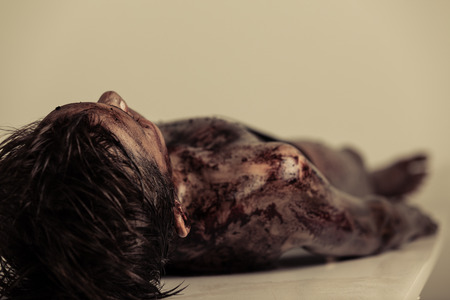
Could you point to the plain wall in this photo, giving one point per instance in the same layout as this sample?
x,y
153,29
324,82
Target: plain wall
x,y
374,74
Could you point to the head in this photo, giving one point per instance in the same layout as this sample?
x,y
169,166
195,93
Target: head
x,y
87,205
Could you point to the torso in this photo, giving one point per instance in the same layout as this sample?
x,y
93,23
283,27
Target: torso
x,y
246,193
221,171
251,198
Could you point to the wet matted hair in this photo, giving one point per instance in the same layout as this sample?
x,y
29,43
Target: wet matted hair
x,y
80,216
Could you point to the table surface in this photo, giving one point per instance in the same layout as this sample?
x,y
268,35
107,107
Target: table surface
x,y
397,274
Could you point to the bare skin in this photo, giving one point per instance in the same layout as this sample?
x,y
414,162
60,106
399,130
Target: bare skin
x,y
250,199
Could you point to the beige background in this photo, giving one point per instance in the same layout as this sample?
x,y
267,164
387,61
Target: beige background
x,y
374,74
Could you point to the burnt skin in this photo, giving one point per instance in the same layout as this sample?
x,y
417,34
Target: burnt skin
x,y
250,200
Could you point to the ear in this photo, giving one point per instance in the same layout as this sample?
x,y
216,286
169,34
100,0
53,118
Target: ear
x,y
182,225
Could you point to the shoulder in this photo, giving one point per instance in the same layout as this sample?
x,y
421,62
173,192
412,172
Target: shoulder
x,y
207,132
284,162
194,122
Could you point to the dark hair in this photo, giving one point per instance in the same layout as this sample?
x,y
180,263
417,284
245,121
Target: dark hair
x,y
80,216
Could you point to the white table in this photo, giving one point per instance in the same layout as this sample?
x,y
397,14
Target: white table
x,y
398,274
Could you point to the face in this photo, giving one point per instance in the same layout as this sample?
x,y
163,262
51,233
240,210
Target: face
x,y
137,134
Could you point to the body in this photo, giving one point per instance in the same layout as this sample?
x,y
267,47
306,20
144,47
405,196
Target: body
x,y
251,198
95,200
